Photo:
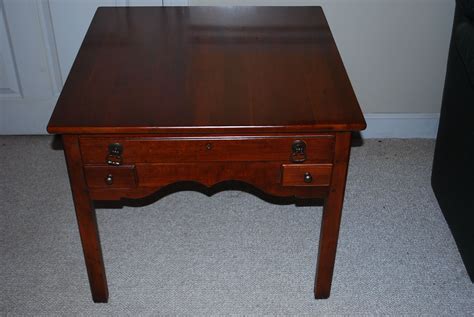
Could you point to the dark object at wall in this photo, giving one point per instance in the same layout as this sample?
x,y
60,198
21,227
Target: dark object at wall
x,y
468,8
453,166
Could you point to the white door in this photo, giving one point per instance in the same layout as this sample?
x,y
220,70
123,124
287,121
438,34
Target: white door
x,y
39,40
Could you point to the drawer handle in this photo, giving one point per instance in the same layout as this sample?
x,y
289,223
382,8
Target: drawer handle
x,y
307,177
109,179
298,151
115,154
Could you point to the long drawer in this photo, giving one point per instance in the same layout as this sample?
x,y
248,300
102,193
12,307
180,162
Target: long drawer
x,y
94,150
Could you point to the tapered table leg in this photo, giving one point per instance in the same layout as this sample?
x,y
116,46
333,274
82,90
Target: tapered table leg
x,y
332,218
86,220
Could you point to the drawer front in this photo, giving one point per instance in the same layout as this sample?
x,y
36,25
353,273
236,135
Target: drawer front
x,y
318,149
306,174
111,176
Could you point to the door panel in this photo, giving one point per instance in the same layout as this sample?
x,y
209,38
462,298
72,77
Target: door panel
x,y
9,85
28,89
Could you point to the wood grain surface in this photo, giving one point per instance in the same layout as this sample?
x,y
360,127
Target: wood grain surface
x,y
207,69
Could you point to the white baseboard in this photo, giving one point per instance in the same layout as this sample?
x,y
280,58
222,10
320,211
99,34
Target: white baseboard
x,y
401,125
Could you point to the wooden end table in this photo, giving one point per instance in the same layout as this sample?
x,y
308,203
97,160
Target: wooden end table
x,y
159,95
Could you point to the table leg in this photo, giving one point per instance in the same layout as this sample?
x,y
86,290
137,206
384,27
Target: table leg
x,y
86,220
332,218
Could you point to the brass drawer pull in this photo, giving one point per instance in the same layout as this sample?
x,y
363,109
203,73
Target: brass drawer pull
x,y
307,177
109,179
115,154
298,151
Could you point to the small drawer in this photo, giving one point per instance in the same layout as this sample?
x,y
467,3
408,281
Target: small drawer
x,y
99,176
306,174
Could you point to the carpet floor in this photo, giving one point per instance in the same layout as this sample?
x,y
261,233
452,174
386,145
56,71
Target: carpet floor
x,y
231,253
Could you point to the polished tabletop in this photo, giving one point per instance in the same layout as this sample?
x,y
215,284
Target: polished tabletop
x,y
209,70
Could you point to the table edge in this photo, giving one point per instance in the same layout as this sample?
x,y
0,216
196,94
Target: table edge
x,y
53,129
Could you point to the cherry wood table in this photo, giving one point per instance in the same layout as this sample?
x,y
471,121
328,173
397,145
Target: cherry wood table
x,y
160,95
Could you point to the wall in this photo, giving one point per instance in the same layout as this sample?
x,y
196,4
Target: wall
x,y
395,52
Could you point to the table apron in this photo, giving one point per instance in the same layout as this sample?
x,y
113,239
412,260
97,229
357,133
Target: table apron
x,y
143,179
